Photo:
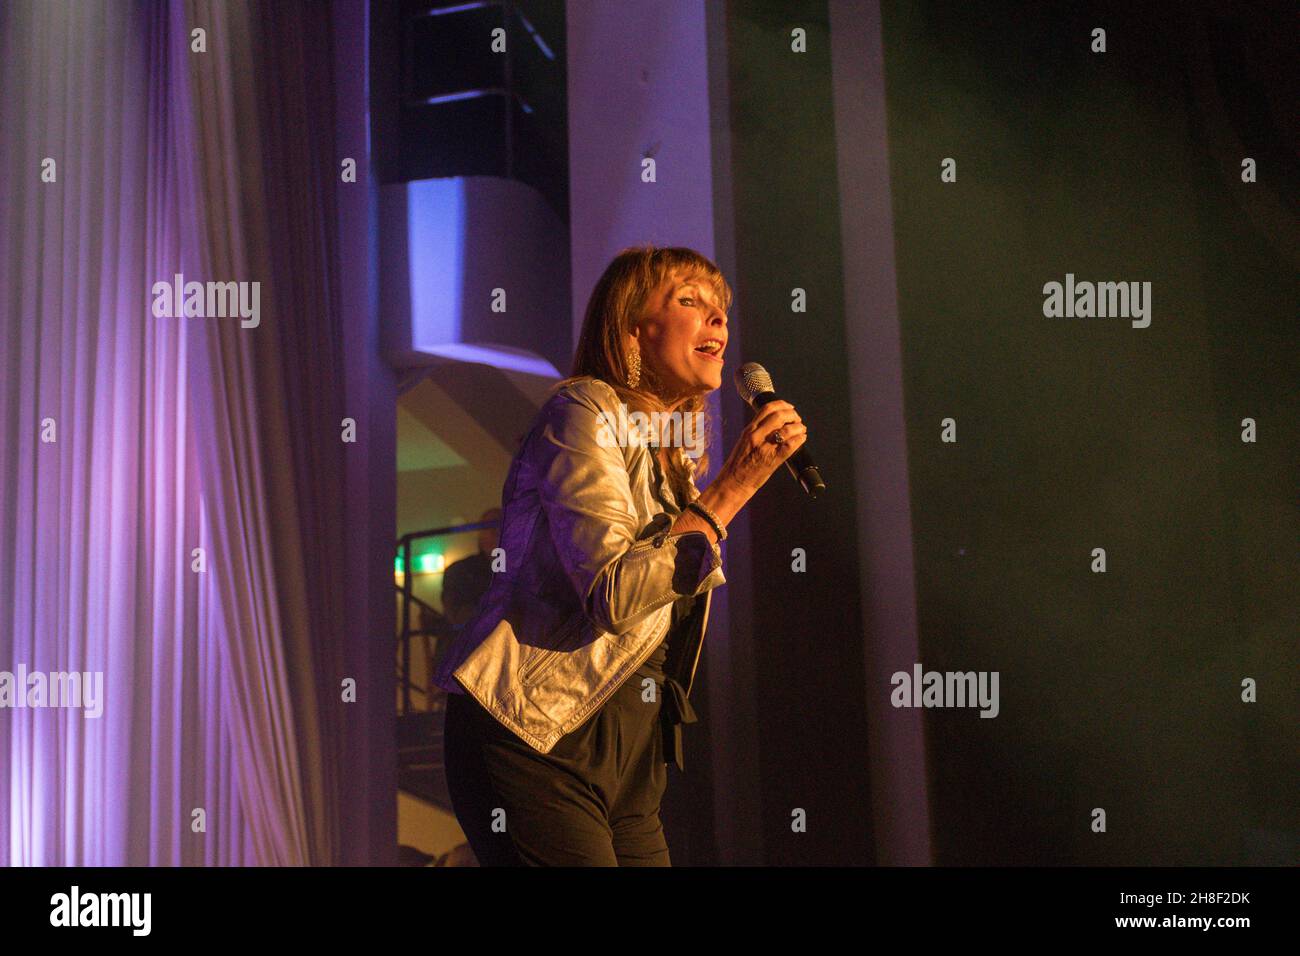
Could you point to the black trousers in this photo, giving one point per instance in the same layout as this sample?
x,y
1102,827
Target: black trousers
x,y
592,801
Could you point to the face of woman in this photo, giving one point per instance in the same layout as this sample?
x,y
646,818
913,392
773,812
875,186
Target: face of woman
x,y
682,335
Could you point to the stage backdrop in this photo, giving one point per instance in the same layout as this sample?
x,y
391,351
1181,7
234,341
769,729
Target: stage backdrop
x,y
175,488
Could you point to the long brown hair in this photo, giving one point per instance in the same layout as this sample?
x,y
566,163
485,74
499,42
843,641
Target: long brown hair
x,y
617,301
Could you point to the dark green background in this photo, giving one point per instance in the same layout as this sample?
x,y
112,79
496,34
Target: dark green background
x,y
1118,690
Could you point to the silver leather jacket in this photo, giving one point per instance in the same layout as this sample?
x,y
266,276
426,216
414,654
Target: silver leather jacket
x,y
590,579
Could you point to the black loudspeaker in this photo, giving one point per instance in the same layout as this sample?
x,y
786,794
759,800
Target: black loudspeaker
x,y
483,93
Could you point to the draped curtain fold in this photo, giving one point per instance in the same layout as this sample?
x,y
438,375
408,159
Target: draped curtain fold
x,y
129,440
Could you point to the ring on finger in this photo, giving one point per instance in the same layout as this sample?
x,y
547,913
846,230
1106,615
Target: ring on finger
x,y
777,437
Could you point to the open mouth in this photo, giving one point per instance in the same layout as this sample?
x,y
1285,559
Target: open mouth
x,y
711,349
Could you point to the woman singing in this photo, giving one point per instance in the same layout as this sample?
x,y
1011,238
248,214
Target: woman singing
x,y
567,688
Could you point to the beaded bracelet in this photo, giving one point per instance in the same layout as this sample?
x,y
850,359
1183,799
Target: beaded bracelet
x,y
710,517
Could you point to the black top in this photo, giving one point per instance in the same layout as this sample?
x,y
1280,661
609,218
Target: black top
x,y
654,664
675,709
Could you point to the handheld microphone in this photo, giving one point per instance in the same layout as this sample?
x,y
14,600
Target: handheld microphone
x,y
755,387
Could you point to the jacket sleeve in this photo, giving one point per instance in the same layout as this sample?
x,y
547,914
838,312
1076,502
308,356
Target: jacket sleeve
x,y
586,494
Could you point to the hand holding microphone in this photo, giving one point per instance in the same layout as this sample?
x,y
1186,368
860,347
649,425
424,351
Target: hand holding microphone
x,y
772,436
755,387
775,435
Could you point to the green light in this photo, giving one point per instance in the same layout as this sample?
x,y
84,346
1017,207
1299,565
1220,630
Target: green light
x,y
430,562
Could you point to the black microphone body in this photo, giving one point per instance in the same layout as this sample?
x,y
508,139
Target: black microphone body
x,y
801,462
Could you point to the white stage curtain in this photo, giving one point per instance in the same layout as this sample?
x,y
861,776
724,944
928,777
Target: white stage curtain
x,y
129,440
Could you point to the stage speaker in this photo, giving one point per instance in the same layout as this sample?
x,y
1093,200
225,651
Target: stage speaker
x,y
483,93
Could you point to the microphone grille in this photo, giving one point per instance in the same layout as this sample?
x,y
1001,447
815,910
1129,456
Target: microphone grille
x,y
752,379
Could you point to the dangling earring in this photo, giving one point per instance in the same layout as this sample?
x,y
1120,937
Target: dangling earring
x,y
634,367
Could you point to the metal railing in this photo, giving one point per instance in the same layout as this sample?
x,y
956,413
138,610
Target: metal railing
x,y
404,672
404,548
